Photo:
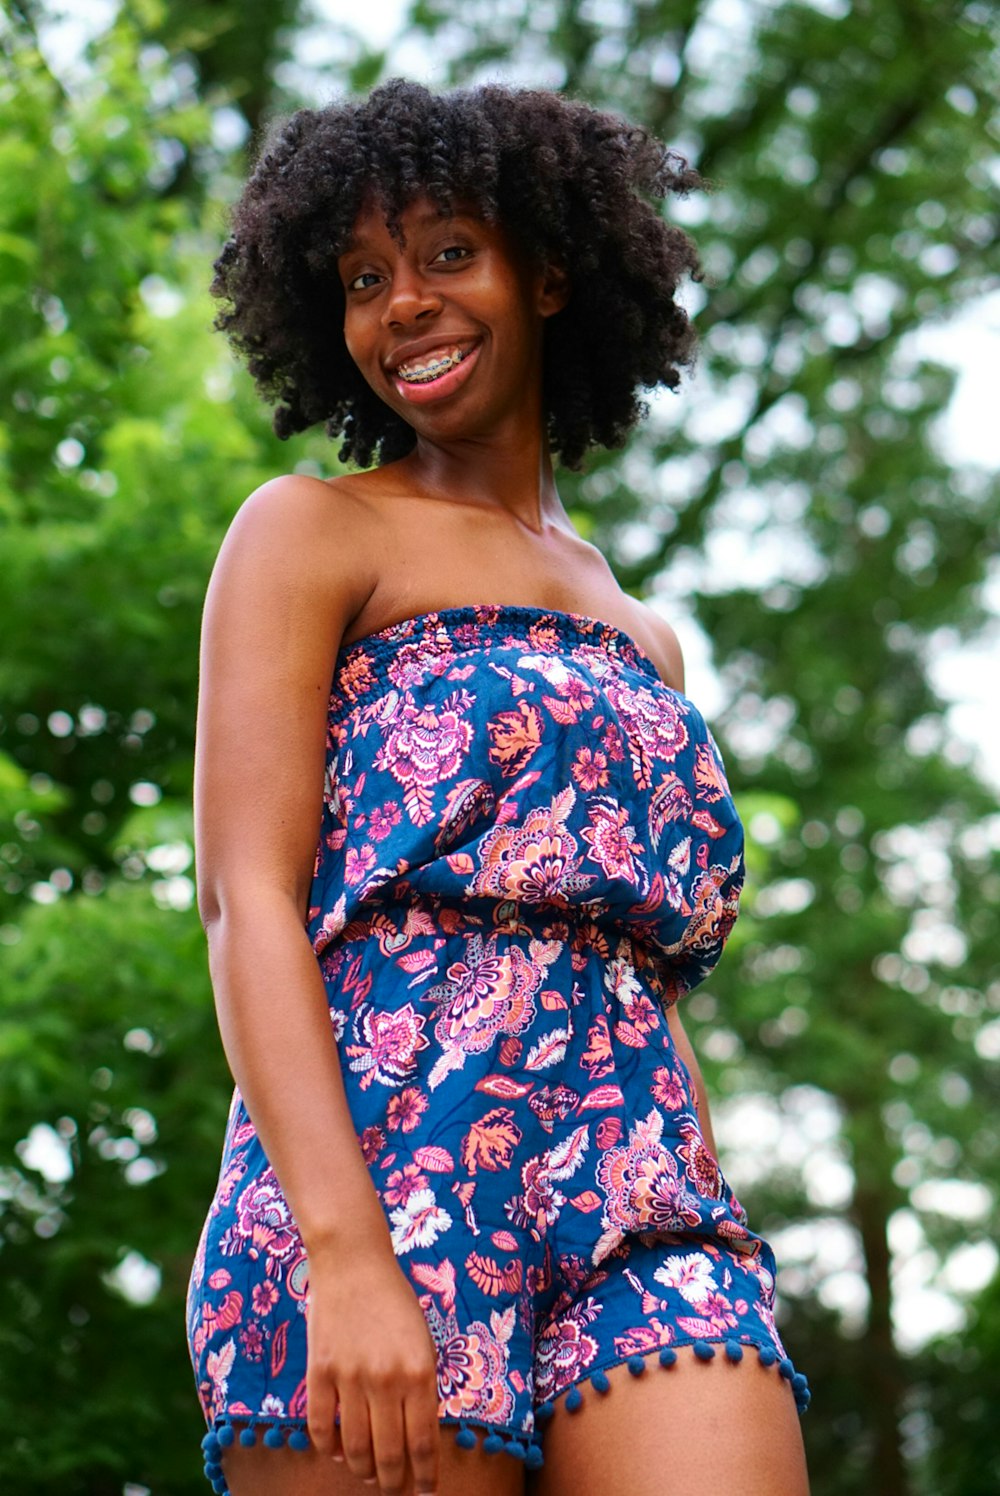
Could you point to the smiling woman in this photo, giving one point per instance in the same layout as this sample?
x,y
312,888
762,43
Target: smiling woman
x,y
463,844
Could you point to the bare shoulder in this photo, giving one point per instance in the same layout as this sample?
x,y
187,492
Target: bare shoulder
x,y
297,532
666,652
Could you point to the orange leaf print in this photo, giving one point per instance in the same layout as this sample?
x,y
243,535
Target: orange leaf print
x,y
515,737
279,1348
504,1087
504,1241
434,1159
490,1143
587,1201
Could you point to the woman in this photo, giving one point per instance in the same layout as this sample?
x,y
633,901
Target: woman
x,y
452,903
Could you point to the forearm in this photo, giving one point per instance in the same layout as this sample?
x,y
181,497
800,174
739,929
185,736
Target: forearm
x,y
276,1031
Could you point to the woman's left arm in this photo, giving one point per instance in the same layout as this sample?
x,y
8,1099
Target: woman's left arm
x,y
687,1054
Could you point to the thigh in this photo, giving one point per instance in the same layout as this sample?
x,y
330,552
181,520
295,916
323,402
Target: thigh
x,y
700,1426
290,1472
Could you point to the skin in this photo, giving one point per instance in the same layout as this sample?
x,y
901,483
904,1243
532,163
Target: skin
x,y
471,515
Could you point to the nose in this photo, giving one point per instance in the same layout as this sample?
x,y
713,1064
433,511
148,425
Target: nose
x,y
411,298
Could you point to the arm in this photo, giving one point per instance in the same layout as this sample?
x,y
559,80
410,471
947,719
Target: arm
x,y
288,579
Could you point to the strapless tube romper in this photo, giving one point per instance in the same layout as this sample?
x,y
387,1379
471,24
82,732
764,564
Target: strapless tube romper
x,y
528,853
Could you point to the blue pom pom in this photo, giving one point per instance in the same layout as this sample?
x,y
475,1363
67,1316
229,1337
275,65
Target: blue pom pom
x,y
298,1439
274,1438
800,1384
465,1438
226,1435
493,1444
802,1400
544,1411
668,1356
768,1355
219,1486
534,1459
600,1383
248,1437
212,1470
574,1399
636,1365
703,1350
787,1369
516,1449
210,1443
734,1350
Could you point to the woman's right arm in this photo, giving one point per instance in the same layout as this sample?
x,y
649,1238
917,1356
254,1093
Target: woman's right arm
x,y
291,574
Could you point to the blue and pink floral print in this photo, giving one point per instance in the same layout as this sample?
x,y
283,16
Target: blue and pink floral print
x,y
528,853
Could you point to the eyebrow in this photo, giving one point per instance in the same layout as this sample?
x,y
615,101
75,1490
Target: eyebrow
x,y
424,217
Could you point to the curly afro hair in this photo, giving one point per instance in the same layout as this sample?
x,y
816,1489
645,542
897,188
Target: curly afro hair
x,y
570,184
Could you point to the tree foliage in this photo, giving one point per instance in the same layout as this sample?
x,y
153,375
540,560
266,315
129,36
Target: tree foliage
x,y
796,504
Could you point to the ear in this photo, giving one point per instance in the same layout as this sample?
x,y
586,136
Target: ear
x,y
553,289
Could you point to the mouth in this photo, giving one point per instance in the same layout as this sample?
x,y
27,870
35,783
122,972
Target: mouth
x,y
428,376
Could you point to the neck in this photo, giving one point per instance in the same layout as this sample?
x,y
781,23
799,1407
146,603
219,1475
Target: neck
x,y
512,472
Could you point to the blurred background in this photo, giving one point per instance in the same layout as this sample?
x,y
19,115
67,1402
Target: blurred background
x,y
817,513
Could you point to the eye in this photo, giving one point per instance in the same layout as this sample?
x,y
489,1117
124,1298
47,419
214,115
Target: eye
x,y
363,282
453,254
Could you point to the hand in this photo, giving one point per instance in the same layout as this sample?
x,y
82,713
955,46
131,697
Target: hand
x,y
370,1353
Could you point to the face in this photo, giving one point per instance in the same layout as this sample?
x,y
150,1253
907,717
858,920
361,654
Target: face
x,y
446,327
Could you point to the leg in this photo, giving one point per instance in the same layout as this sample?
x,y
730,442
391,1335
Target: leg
x,y
291,1472
701,1426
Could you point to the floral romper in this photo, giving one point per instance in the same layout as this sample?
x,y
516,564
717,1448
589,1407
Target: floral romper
x,y
528,852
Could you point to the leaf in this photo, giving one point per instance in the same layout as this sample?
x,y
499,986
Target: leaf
x,y
566,1157
416,960
439,1278
504,1086
515,737
504,1241
587,1202
603,1096
279,1348
435,1159
548,1051
486,1274
490,1142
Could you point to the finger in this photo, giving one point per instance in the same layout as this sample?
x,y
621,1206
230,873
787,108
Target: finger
x,y
321,1406
388,1443
355,1432
423,1439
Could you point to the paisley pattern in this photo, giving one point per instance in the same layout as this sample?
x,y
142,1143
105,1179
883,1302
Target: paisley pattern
x,y
528,853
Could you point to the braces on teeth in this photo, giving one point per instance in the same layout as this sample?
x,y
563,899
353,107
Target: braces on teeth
x,y
425,373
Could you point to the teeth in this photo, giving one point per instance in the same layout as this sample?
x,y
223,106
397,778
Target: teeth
x,y
418,372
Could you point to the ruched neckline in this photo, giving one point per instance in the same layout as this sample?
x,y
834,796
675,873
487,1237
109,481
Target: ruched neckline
x,y
473,626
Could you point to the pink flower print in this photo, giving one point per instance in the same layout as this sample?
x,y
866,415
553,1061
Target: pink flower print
x,y
461,1374
472,1368
405,1109
425,746
612,742
404,1182
613,843
358,862
371,1141
700,1163
538,1207
534,860
490,992
669,1090
590,769
641,1188
565,1350
253,1340
430,655
265,1296
386,1044
383,818
654,728
264,1219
